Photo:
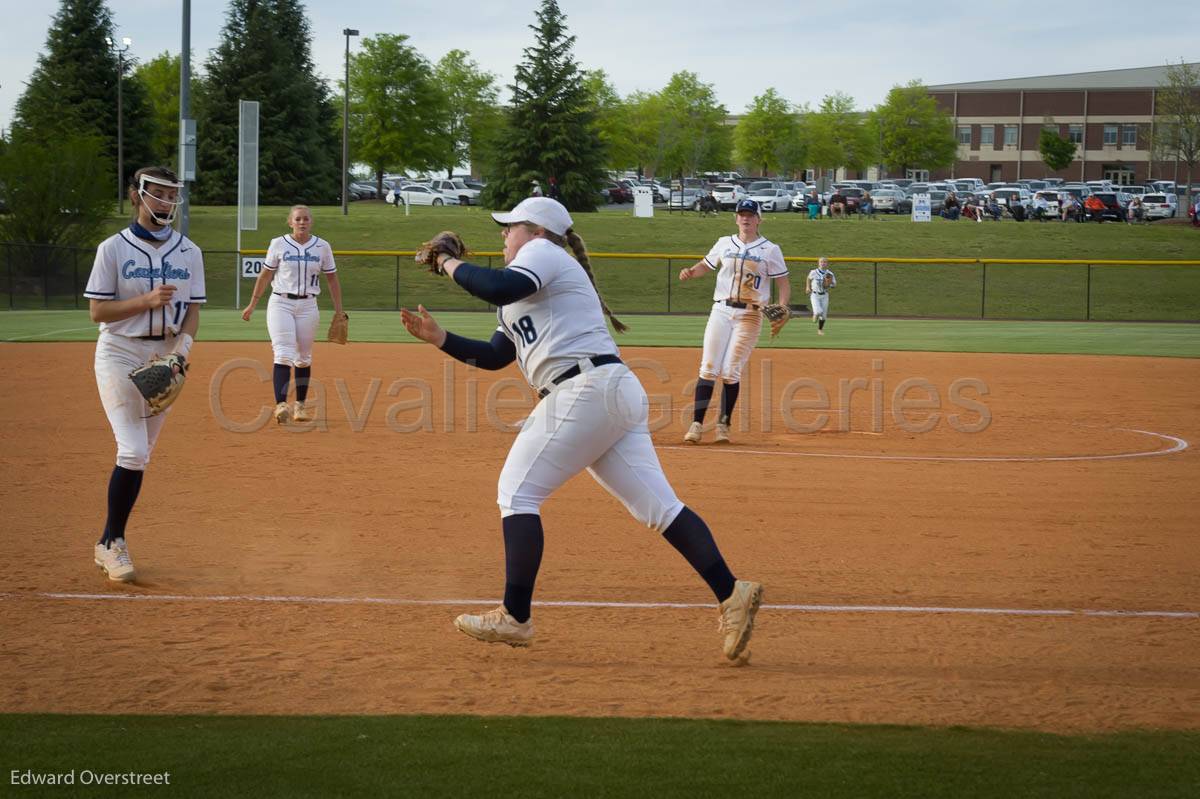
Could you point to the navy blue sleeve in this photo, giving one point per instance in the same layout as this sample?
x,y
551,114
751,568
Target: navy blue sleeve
x,y
492,355
497,286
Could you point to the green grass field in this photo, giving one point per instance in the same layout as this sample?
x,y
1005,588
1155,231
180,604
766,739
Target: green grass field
x,y
556,757
682,330
1067,292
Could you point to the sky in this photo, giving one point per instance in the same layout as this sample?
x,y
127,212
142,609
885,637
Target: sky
x,y
802,49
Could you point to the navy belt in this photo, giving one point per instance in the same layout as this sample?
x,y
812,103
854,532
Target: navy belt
x,y
293,296
159,337
733,304
574,371
820,292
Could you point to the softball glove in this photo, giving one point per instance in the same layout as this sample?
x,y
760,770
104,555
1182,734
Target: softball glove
x,y
446,243
339,328
828,281
160,381
778,316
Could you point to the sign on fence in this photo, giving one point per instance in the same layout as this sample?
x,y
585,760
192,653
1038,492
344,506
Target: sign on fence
x,y
252,266
921,208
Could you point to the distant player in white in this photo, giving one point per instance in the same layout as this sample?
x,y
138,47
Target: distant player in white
x,y
747,265
145,290
820,282
593,416
293,266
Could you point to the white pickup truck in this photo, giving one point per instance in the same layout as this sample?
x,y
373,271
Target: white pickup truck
x,y
456,188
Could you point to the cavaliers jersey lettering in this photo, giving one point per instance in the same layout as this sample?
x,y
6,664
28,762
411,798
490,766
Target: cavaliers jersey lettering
x,y
745,270
561,322
816,280
297,266
127,267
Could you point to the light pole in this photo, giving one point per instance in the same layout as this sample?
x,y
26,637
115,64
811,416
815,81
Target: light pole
x,y
347,32
120,120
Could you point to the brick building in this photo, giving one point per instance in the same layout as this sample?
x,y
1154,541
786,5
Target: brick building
x,y
1109,114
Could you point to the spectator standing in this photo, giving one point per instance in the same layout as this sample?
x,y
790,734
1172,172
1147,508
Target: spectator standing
x,y
553,192
814,203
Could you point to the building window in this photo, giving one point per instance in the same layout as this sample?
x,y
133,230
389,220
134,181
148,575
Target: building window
x,y
1075,133
1110,134
1010,135
987,135
964,134
1129,135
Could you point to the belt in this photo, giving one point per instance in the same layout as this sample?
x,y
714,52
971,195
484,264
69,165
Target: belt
x,y
292,296
574,371
751,305
820,292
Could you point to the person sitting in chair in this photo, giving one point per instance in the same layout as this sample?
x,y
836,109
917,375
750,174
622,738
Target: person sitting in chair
x,y
950,207
837,204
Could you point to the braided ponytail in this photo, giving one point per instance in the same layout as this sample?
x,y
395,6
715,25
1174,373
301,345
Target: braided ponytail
x,y
580,251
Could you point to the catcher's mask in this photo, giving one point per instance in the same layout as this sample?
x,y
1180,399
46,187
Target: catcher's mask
x,y
143,194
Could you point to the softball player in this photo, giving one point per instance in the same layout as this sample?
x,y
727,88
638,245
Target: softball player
x,y
145,290
592,415
818,292
293,266
746,264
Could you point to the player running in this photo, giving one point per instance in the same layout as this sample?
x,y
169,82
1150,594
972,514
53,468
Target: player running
x,y
592,415
746,264
818,285
293,267
145,290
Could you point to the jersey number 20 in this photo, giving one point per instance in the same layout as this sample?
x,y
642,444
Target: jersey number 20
x,y
525,330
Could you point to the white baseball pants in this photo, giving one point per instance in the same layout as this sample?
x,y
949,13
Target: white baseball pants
x,y
820,305
729,337
134,428
292,325
596,421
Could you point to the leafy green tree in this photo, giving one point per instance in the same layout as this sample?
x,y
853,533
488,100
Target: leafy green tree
x,y
696,135
647,136
1057,152
837,135
912,131
160,77
73,90
470,98
264,55
58,191
613,120
399,116
766,136
1178,105
550,128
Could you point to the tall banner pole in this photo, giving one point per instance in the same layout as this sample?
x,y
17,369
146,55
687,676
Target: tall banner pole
x,y
247,212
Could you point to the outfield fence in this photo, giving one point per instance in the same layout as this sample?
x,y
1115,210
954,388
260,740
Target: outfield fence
x,y
41,277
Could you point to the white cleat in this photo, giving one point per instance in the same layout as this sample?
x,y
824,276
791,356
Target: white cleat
x,y
737,619
693,434
303,412
283,413
722,436
496,627
114,561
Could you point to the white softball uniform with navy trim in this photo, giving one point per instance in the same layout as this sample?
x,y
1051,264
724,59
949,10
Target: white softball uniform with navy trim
x,y
744,275
819,296
127,267
596,420
291,322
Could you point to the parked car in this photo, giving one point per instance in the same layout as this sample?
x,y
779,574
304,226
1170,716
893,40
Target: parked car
x,y
1159,206
660,191
772,199
616,193
904,183
728,194
416,194
937,201
457,187
1007,196
1137,190
891,201
1053,203
362,190
685,199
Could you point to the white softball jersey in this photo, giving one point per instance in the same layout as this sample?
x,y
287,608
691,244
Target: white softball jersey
x,y
744,271
127,267
297,266
561,322
816,280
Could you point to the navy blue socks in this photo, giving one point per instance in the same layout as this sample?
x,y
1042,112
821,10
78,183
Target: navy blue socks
x,y
523,543
704,392
302,375
123,488
728,400
691,536
282,376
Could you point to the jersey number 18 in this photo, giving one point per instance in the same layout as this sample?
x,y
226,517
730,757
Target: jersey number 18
x,y
525,331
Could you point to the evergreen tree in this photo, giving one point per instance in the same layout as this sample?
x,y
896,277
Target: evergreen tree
x,y
73,90
264,55
550,129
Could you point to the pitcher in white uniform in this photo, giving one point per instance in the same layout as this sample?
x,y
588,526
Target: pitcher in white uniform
x,y
592,415
820,282
145,289
746,265
293,267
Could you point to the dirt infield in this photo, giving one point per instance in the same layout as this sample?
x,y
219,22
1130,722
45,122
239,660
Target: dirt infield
x,y
1058,503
